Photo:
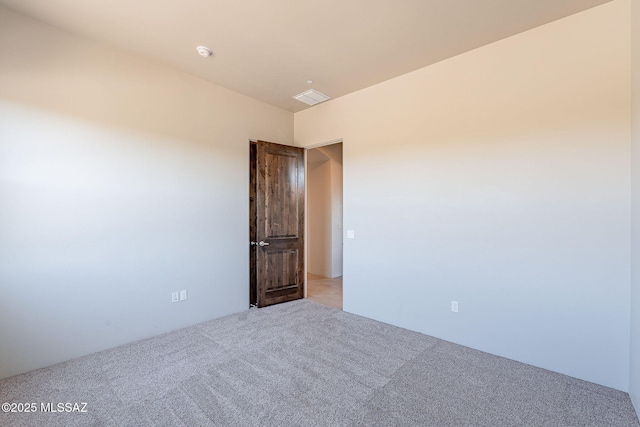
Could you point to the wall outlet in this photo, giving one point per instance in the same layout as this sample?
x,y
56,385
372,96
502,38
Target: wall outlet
x,y
454,306
175,297
351,234
183,295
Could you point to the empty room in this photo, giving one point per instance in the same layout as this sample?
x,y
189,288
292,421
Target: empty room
x,y
157,221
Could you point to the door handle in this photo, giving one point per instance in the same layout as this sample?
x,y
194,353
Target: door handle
x,y
263,243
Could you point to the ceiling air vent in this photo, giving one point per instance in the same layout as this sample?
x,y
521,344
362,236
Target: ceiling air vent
x,y
311,97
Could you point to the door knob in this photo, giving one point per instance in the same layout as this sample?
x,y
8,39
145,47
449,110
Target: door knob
x,y
263,243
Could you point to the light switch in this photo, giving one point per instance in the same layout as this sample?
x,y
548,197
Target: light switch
x,y
351,234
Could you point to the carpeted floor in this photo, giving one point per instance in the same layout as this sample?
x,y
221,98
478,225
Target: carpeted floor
x,y
305,364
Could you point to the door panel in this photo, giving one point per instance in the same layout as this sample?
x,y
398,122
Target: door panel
x,y
279,223
284,262
281,191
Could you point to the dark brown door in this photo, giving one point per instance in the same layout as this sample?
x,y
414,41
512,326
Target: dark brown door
x,y
276,223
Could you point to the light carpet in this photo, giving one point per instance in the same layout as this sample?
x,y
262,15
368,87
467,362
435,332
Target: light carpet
x,y
305,364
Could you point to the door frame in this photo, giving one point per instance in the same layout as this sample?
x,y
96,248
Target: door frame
x,y
306,225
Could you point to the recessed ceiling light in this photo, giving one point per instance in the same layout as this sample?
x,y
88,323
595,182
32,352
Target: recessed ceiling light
x,y
204,51
309,81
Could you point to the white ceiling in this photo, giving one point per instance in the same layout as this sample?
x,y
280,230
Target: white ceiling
x,y
268,49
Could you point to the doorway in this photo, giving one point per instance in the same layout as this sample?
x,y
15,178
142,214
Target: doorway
x,y
324,224
276,223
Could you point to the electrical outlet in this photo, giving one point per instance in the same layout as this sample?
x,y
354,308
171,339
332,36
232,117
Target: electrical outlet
x,y
183,295
175,297
351,234
454,306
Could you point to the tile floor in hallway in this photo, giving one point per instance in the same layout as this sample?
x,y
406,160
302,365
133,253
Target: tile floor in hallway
x,y
325,290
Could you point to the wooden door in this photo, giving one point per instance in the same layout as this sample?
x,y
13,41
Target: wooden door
x,y
276,223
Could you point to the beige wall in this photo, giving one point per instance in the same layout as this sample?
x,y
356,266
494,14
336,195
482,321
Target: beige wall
x,y
324,217
319,217
635,219
500,179
121,180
